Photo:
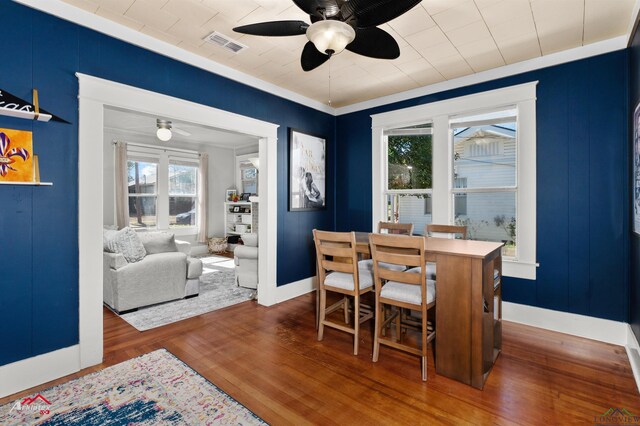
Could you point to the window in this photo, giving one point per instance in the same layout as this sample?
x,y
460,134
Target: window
x,y
409,175
484,169
247,173
428,206
249,178
460,198
479,162
143,193
163,188
183,195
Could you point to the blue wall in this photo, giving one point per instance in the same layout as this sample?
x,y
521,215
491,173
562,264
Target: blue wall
x,y
39,253
583,190
582,178
634,252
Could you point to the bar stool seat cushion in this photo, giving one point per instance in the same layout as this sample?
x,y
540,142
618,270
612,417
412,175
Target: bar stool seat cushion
x,y
408,293
345,281
368,264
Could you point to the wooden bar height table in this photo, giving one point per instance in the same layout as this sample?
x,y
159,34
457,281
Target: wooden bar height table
x,y
468,305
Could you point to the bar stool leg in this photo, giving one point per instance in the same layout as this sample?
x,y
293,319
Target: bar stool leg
x,y
345,306
356,323
323,313
378,321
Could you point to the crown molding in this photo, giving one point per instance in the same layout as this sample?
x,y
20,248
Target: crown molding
x,y
633,23
593,49
86,19
92,21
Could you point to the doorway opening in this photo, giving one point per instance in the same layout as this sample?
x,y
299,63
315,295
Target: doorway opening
x,y
97,96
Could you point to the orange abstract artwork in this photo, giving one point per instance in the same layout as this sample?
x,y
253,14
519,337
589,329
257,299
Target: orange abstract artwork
x,y
16,159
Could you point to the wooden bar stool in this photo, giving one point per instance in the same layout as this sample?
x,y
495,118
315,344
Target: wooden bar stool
x,y
395,228
442,231
407,289
338,272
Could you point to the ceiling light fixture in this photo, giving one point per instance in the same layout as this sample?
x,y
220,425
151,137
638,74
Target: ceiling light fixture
x,y
330,36
164,130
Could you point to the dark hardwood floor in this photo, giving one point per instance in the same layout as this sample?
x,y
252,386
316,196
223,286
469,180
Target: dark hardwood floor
x,y
269,360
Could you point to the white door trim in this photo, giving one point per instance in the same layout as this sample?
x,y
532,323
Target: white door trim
x,y
94,95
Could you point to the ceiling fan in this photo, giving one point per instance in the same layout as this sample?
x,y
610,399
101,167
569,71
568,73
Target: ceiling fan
x,y
339,24
164,130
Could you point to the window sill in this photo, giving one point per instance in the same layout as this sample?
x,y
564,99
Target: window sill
x,y
525,270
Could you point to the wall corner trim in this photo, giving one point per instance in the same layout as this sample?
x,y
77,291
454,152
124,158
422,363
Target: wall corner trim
x,y
30,372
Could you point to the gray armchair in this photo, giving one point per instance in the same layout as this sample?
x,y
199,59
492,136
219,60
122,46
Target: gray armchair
x,y
246,260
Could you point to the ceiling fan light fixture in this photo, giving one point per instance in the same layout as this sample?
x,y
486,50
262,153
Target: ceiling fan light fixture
x,y
164,130
330,36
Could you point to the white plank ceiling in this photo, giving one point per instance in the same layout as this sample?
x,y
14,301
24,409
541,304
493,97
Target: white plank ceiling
x,y
439,39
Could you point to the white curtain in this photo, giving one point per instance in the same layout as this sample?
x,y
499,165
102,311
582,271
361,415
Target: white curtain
x,y
122,187
203,191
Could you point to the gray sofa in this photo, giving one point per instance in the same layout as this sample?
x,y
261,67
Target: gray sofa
x,y
166,273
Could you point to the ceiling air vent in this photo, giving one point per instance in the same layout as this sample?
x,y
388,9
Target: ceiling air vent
x,y
225,42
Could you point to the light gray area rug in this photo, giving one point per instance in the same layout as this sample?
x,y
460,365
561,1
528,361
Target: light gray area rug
x,y
217,290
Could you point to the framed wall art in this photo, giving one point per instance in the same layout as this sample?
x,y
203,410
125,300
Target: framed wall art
x,y
307,171
16,156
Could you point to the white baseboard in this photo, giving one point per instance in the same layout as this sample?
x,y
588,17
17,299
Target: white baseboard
x,y
577,325
295,289
599,329
27,373
633,352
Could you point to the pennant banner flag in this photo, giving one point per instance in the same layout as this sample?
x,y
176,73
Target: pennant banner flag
x,y
15,107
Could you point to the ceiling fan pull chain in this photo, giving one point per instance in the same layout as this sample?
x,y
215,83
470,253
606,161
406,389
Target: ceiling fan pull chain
x,y
330,81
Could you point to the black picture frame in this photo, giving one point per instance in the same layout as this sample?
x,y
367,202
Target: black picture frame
x,y
636,170
307,171
245,196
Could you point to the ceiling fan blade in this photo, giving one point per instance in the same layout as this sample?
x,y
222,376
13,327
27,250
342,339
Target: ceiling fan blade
x,y
370,13
315,7
374,43
180,131
274,29
311,58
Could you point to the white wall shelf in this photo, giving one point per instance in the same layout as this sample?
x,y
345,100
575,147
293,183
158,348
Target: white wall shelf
x,y
242,221
28,183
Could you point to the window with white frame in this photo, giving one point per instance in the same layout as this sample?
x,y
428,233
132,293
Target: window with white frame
x,y
183,193
163,188
247,173
483,161
409,175
485,176
248,178
143,191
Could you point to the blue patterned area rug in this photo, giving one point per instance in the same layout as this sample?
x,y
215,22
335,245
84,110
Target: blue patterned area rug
x,y
153,389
